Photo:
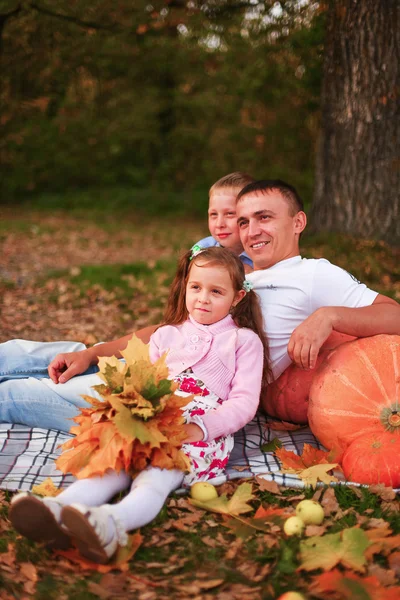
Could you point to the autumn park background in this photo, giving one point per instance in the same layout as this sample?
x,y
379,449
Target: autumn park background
x,y
115,119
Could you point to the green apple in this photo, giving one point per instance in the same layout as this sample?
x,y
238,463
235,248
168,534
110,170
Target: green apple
x,y
310,512
293,526
203,491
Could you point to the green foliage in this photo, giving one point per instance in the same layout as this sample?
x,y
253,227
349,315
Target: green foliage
x,y
97,95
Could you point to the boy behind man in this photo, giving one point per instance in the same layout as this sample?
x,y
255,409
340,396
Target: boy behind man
x,y
222,220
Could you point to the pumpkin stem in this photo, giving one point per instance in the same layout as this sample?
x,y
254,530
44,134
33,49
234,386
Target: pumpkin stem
x,y
394,419
390,418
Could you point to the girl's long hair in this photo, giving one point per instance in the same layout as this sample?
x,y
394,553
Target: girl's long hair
x,y
246,313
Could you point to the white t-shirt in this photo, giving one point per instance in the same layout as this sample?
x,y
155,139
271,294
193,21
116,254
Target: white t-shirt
x,y
293,289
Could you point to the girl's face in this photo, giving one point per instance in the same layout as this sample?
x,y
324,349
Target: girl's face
x,y
210,293
222,220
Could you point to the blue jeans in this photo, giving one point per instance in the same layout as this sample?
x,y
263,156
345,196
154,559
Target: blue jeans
x,y
27,394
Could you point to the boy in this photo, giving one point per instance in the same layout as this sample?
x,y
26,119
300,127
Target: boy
x,y
222,220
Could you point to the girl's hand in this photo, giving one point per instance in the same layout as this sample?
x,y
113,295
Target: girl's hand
x,y
194,433
67,365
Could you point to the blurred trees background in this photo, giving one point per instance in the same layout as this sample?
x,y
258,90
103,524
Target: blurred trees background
x,y
105,92
173,94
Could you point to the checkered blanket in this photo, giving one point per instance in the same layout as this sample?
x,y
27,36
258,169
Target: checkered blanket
x,y
27,455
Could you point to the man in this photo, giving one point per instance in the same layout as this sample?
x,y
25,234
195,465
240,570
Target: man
x,y
303,301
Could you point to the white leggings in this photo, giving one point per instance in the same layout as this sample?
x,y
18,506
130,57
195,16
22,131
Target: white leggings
x,y
148,493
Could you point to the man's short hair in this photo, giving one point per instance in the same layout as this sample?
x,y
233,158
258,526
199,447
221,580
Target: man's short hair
x,y
266,186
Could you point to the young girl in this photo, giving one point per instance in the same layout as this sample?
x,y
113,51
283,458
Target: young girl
x,y
217,350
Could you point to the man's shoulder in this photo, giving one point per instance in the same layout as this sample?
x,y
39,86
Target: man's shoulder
x,y
291,266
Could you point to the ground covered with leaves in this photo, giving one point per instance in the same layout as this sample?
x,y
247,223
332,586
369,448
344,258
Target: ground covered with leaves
x,y
76,279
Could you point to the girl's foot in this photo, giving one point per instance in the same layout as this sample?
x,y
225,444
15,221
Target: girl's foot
x,y
96,532
39,519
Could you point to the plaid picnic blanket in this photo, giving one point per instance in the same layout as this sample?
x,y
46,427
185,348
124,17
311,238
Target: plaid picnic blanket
x,y
27,455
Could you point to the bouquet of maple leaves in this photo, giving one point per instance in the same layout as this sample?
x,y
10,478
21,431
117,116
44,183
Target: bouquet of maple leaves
x,y
138,423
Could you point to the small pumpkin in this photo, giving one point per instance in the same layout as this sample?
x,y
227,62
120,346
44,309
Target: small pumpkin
x,y
287,397
356,391
374,458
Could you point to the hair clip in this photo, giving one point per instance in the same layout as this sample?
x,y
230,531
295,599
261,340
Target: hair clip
x,y
195,251
247,285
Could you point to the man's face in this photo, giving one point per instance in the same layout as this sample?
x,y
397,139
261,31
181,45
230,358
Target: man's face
x,y
268,231
222,220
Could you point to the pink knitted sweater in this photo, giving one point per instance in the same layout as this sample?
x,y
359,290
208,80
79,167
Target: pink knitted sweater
x,y
228,359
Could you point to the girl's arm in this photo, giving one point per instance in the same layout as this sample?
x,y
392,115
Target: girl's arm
x,y
67,365
241,405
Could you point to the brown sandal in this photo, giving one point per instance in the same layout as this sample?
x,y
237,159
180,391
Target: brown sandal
x,y
32,517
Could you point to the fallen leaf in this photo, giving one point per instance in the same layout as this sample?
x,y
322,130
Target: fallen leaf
x,y
46,488
347,547
381,542
271,446
233,549
268,486
385,576
394,563
119,561
311,466
236,505
316,473
315,530
28,573
351,586
386,493
329,502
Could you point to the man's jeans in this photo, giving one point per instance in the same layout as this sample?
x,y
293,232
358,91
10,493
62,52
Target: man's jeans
x,y
27,394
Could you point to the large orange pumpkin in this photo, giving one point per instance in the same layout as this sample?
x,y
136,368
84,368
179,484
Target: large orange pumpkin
x,y
356,391
287,397
374,458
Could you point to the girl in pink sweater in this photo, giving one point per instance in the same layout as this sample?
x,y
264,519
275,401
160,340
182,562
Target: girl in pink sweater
x,y
217,350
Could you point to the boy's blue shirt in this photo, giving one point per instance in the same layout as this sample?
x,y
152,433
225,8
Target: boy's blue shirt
x,y
209,242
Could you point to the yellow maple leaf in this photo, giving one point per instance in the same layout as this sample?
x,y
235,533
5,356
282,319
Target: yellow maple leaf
x,y
317,473
236,505
112,371
136,350
46,488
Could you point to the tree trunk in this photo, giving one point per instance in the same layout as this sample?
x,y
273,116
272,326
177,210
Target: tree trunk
x,y
358,159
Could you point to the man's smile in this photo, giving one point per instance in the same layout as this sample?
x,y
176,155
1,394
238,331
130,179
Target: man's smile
x,y
258,245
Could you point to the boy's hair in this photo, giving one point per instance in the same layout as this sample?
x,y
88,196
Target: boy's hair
x,y
237,180
247,313
266,186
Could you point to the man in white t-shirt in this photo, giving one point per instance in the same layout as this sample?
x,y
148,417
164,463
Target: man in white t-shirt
x,y
303,300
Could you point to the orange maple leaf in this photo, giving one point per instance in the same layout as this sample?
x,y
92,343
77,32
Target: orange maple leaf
x,y
119,561
308,458
271,512
309,465
350,585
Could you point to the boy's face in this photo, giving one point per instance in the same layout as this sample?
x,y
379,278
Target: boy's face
x,y
222,220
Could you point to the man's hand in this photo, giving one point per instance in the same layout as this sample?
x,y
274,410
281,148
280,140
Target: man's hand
x,y
307,339
65,366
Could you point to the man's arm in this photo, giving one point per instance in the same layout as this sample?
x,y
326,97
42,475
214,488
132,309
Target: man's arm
x,y
382,316
67,365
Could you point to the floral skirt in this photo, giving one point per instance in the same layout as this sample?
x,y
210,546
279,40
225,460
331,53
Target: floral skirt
x,y
208,459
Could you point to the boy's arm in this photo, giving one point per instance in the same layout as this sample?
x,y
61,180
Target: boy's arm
x,y
67,365
382,316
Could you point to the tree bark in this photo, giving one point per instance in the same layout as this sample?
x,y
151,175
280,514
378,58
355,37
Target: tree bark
x,y
358,160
